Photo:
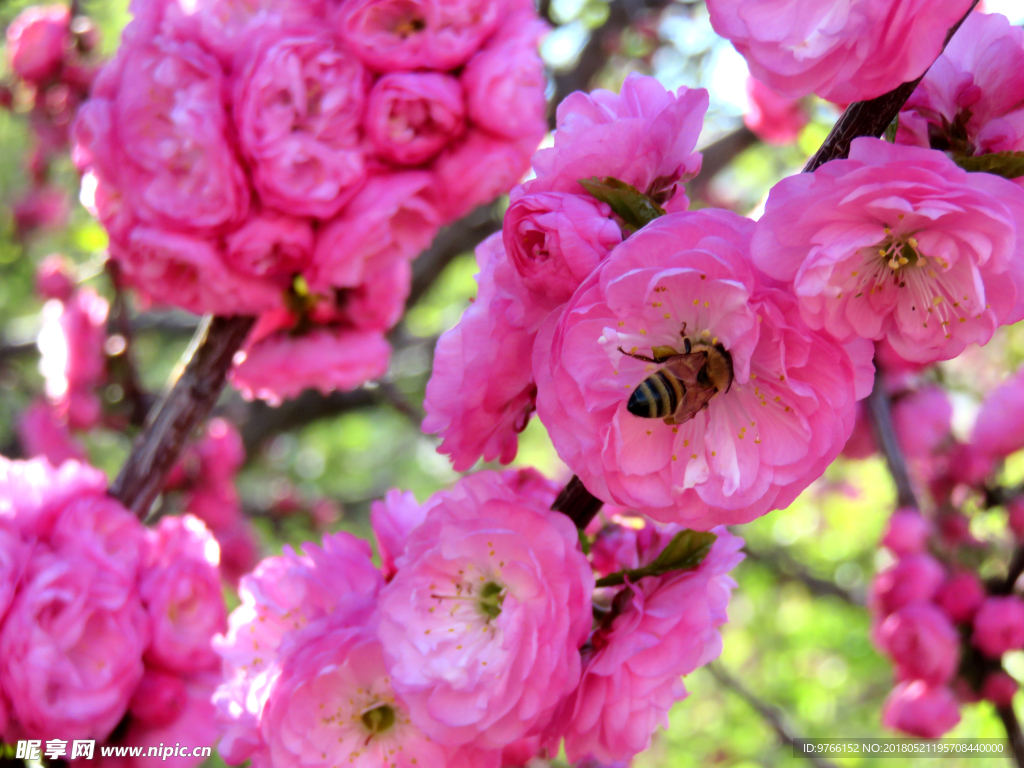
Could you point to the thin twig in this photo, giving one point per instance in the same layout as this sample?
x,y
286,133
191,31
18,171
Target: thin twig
x,y
885,434
1012,726
869,118
787,569
122,366
773,715
170,424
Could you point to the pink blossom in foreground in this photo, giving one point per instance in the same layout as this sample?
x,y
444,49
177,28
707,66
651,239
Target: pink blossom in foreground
x,y
999,428
971,100
921,710
298,104
845,52
334,705
411,116
282,595
666,627
644,136
914,579
481,392
899,243
180,587
907,532
393,519
784,418
481,626
921,642
281,366
389,35
960,596
999,626
34,493
37,40
773,118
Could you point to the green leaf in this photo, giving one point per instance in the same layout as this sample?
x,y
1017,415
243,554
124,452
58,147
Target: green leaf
x,y
629,203
890,132
1009,165
686,551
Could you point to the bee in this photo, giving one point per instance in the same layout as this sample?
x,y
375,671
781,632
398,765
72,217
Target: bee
x,y
685,383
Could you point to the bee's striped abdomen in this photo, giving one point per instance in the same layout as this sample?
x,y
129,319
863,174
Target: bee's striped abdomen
x,y
657,396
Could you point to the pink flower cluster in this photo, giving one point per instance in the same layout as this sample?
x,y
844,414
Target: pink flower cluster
x,y
290,160
971,101
844,52
102,622
73,362
206,474
473,647
921,609
774,119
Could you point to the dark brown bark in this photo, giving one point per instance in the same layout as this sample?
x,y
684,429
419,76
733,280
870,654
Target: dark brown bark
x,y
182,409
885,434
579,504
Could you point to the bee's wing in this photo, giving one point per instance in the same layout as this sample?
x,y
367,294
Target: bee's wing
x,y
696,398
686,367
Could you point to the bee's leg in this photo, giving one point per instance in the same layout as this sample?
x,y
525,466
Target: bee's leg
x,y
639,357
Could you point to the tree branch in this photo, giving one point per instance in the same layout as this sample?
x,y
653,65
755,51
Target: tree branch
x,y
188,402
576,502
885,435
1012,726
788,569
869,118
773,715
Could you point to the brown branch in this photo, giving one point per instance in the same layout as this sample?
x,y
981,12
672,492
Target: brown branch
x,y
783,566
1012,726
171,423
122,366
885,435
773,715
869,118
716,156
579,504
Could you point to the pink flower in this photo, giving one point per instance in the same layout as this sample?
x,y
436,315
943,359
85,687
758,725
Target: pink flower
x,y
188,272
393,519
390,35
37,40
921,710
221,452
477,169
388,221
907,532
999,429
42,432
666,627
34,493
412,116
114,540
156,135
42,207
849,52
914,579
180,587
923,420
921,642
999,626
239,550
771,431
334,704
960,596
298,104
53,276
481,391
14,554
1015,517
216,504
970,100
999,688
643,136
71,647
270,245
773,118
555,240
899,243
159,698
505,81
282,595
481,626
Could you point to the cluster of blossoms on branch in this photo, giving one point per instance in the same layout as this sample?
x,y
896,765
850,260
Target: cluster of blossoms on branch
x,y
105,625
289,160
476,643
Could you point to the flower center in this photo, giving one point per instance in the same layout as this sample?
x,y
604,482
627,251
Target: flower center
x,y
379,719
489,600
897,253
